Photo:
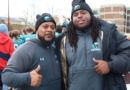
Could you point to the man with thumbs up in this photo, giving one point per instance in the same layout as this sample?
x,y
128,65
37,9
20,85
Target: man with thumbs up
x,y
93,53
34,65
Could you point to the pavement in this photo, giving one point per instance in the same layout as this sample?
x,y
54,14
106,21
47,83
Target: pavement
x,y
128,86
127,80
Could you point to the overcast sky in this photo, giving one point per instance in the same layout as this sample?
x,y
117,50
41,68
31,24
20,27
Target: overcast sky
x,y
60,7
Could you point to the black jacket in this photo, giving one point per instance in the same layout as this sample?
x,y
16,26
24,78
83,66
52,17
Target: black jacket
x,y
116,51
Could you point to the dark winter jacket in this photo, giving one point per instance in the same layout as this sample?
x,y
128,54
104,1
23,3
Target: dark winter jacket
x,y
116,51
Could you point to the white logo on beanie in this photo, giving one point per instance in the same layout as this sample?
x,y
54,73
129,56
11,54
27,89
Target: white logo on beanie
x,y
47,18
77,7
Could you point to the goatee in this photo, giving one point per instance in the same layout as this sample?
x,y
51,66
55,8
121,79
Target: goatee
x,y
46,42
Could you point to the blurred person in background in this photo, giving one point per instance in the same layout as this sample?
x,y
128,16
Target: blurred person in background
x,y
29,34
10,34
6,49
17,42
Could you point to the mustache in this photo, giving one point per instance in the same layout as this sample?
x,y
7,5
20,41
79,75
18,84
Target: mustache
x,y
48,34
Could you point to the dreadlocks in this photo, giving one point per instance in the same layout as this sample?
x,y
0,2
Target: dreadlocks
x,y
72,36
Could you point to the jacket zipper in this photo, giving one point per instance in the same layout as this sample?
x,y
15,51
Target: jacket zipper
x,y
85,48
108,38
51,60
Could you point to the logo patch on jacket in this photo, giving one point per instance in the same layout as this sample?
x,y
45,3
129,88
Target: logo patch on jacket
x,y
41,59
56,59
15,46
96,47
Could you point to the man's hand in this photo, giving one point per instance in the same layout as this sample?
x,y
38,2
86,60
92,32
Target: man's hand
x,y
102,67
35,77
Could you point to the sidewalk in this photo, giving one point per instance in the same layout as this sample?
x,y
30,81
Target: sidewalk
x,y
128,86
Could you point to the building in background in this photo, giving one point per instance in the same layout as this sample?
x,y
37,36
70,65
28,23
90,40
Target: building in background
x,y
12,20
128,21
15,23
118,14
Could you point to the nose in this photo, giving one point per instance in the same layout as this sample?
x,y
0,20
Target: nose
x,y
49,29
79,15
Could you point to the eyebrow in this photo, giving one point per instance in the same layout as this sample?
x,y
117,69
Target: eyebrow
x,y
48,25
82,10
79,11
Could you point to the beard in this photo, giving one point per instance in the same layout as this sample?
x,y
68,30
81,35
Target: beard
x,y
45,41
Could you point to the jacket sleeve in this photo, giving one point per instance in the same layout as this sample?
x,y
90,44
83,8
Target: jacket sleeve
x,y
15,73
120,63
11,48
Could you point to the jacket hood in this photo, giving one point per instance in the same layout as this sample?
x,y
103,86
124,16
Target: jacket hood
x,y
37,41
105,24
4,38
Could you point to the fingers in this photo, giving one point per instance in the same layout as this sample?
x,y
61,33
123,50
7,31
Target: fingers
x,y
40,76
38,84
37,69
98,70
37,81
96,67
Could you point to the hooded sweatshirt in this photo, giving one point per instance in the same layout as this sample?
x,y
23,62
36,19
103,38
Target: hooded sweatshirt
x,y
81,74
6,49
25,59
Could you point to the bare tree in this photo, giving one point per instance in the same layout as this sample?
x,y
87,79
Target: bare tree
x,y
54,12
26,16
35,10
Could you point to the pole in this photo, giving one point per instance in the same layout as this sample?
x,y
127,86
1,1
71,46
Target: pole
x,y
8,18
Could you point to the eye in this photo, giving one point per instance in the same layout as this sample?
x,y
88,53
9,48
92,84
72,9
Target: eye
x,y
52,28
45,27
75,14
83,12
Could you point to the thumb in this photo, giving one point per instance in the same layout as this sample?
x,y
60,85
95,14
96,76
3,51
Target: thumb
x,y
95,60
37,69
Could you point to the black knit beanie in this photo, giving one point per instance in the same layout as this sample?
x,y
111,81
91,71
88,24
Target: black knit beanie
x,y
45,17
78,5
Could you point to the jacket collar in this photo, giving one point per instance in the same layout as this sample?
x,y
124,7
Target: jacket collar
x,y
87,31
38,42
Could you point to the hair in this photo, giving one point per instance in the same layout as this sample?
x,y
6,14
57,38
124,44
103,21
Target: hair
x,y
23,30
10,34
72,36
34,32
20,33
59,28
15,34
29,29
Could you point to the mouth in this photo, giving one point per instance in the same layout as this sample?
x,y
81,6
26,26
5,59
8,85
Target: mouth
x,y
49,35
81,21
